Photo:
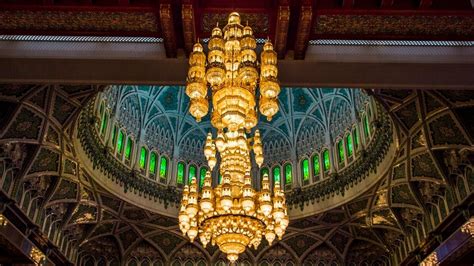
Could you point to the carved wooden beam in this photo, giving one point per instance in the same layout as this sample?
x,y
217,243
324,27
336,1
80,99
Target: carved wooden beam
x,y
189,28
303,30
167,28
281,33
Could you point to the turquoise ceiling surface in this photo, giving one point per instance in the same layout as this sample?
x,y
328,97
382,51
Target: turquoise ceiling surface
x,y
309,118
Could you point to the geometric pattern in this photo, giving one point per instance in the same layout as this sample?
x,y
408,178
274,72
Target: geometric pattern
x,y
87,223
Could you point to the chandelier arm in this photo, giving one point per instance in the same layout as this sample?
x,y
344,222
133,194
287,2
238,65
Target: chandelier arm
x,y
233,214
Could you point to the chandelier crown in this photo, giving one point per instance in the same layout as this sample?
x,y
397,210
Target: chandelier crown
x,y
233,214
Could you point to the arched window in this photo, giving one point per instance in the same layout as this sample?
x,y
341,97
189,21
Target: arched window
x,y
366,126
180,173
145,262
350,148
128,149
316,167
120,142
164,168
158,263
276,174
355,135
288,175
340,151
100,115
305,171
143,157
153,162
101,109
202,175
132,262
114,135
192,173
326,161
103,125
89,261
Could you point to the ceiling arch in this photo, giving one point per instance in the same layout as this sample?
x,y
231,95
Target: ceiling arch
x,y
433,168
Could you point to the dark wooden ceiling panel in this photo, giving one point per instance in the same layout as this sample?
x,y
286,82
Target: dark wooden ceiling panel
x,y
280,21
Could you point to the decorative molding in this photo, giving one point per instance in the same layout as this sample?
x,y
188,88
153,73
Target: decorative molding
x,y
340,182
115,170
431,260
80,39
303,31
283,21
78,21
189,29
168,30
259,22
417,26
468,228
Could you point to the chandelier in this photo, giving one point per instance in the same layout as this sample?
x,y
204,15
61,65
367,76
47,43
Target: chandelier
x,y
233,214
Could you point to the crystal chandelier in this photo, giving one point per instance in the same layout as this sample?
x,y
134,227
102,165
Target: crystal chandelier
x,y
233,214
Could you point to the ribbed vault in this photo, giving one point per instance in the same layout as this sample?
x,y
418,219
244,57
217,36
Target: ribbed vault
x,y
430,181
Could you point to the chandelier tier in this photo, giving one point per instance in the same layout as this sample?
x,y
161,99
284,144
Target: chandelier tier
x,y
233,214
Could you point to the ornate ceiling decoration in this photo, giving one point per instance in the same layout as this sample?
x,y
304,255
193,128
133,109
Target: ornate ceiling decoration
x,y
430,183
308,118
180,22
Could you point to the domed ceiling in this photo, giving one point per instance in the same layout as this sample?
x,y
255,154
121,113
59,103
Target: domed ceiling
x,y
429,183
308,118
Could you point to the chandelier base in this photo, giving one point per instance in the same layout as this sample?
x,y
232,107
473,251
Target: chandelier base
x,y
233,214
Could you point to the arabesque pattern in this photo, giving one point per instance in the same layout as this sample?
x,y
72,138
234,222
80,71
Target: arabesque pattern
x,y
429,183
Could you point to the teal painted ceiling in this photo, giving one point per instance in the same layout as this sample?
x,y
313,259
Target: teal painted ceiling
x,y
309,118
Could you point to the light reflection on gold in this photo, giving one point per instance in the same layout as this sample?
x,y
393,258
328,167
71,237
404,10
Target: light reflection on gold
x,y
233,215
3,220
468,227
431,260
37,256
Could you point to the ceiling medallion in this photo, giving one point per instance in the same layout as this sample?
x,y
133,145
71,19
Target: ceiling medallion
x,y
233,214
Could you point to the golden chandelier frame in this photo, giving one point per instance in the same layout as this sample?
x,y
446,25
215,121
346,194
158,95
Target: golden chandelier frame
x,y
233,214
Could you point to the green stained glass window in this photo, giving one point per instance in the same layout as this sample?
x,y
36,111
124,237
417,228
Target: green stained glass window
x,y
327,162
350,149
202,175
114,135
340,151
355,133
120,142
180,173
103,126
288,174
366,126
219,178
305,169
264,171
128,149
143,157
192,173
164,168
101,109
153,161
277,174
316,165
